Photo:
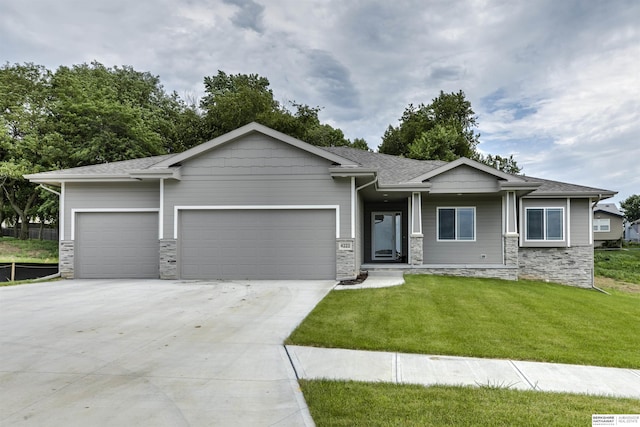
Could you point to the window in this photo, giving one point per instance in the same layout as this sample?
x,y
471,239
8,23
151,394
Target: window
x,y
602,225
456,224
545,224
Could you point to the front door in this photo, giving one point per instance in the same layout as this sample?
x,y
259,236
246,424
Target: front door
x,y
386,236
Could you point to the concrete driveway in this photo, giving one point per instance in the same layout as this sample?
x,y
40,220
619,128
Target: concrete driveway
x,y
152,353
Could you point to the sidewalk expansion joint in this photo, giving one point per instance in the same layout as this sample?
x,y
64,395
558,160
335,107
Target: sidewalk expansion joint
x,y
523,376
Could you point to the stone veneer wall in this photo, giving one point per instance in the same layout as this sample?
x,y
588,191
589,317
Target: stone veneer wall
x,y
507,273
417,248
346,260
168,259
65,257
571,266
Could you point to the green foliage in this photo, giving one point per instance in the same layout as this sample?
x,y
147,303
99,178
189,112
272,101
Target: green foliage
x,y
232,101
631,207
623,265
109,114
342,403
445,130
505,164
524,320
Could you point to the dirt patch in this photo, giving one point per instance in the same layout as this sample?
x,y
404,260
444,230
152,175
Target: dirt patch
x,y
605,282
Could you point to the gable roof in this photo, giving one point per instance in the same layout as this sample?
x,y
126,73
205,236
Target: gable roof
x,y
244,131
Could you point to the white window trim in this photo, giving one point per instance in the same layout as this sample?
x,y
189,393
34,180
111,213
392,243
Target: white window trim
x,y
597,221
177,209
456,240
103,210
544,224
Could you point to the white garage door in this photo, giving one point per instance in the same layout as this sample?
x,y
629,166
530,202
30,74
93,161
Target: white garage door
x,y
257,244
116,245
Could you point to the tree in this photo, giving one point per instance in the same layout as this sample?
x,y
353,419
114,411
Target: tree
x,y
445,130
505,164
24,146
631,207
232,101
109,114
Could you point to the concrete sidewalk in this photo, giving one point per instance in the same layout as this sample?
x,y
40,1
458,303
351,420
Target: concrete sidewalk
x,y
371,366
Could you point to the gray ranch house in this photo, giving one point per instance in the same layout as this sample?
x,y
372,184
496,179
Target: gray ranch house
x,y
258,204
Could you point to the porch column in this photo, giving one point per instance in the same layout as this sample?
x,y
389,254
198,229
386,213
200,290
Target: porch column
x,y
511,236
416,237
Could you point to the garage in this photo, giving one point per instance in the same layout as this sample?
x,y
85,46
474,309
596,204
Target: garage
x,y
258,244
116,245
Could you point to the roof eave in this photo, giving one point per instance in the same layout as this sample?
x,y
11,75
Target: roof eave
x,y
343,172
157,173
601,195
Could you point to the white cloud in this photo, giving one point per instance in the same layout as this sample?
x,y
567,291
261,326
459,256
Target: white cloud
x,y
555,83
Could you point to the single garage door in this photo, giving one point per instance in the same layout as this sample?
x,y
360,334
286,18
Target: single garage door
x,y
258,244
116,245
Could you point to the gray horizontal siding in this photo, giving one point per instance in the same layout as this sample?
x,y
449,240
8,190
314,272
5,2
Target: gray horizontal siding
x,y
464,179
580,212
488,232
616,227
257,170
118,195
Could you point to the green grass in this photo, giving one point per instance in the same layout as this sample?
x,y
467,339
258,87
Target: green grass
x,y
622,265
524,320
28,251
334,403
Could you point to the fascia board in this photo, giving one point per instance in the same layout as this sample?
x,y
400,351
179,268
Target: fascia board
x,y
348,171
245,130
422,186
564,194
157,173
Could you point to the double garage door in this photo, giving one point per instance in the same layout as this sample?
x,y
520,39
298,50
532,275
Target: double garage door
x,y
257,244
213,244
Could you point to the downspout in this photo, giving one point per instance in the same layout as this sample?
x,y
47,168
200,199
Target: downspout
x,y
593,284
367,184
48,189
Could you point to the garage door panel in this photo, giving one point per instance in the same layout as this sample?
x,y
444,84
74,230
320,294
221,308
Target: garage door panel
x,y
116,245
257,244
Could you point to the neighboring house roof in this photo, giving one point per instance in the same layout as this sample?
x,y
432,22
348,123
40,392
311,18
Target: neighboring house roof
x,y
390,170
609,208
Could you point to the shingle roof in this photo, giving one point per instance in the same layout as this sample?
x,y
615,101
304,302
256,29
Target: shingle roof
x,y
391,169
551,187
123,167
608,208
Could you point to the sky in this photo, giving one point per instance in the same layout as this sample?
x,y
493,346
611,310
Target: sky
x,y
556,83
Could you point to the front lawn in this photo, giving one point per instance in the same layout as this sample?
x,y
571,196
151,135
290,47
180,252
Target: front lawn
x,y
335,403
621,265
524,320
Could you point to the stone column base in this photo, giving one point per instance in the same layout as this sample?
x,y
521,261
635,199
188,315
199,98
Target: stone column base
x,y
346,259
65,259
417,247
168,259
